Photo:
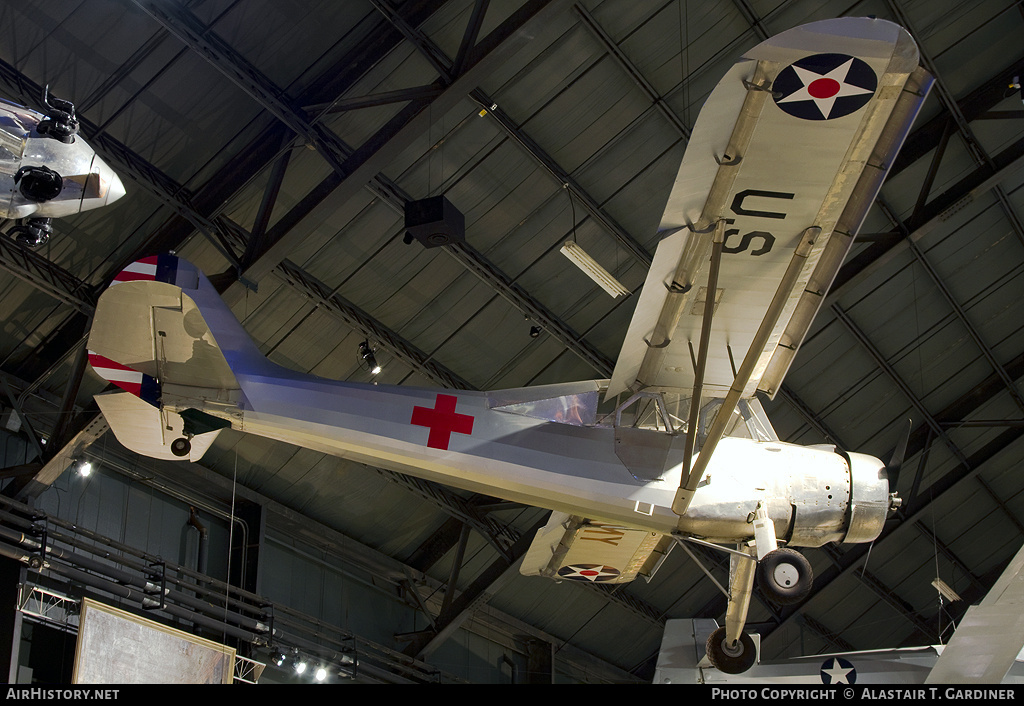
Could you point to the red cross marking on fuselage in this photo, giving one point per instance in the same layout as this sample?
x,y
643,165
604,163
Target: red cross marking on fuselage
x,y
442,420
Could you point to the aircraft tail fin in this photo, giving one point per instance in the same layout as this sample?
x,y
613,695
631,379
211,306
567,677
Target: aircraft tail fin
x,y
152,336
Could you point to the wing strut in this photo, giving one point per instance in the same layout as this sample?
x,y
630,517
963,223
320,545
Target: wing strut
x,y
688,484
705,336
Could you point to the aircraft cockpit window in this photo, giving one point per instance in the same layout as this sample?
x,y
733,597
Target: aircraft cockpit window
x,y
757,422
748,420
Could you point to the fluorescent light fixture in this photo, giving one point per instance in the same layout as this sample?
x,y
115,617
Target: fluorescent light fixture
x,y
593,270
945,591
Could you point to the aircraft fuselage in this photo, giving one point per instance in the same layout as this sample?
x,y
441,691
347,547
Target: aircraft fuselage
x,y
456,438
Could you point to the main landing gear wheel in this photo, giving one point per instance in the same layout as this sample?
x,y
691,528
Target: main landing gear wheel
x,y
785,576
181,447
731,659
33,232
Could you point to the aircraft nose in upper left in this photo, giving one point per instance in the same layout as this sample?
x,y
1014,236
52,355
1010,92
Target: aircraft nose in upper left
x,y
114,188
103,186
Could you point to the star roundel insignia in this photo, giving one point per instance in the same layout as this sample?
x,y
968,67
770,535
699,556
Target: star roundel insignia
x,y
824,86
588,572
836,670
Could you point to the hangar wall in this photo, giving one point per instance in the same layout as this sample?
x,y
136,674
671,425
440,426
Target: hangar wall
x,y
326,596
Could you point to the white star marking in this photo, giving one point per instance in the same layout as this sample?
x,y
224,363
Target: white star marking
x,y
837,673
832,85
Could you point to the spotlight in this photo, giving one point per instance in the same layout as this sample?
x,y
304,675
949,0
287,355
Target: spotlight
x,y
277,658
83,467
348,666
321,673
534,331
366,355
300,666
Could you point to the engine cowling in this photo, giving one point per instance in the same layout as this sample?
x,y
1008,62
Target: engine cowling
x,y
813,494
870,499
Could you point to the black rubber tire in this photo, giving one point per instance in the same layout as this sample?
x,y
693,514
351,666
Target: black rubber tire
x,y
734,659
29,237
181,447
785,576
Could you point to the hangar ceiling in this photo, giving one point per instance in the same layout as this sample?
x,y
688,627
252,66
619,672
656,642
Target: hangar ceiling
x,y
274,144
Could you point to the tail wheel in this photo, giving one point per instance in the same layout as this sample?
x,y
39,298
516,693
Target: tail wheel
x,y
785,576
181,447
731,659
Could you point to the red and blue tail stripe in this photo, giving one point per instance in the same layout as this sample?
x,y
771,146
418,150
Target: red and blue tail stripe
x,y
157,268
139,384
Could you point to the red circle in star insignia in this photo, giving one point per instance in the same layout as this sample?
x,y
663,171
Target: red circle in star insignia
x,y
823,88
588,572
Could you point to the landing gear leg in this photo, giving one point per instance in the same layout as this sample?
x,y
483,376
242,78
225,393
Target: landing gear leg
x,y
730,649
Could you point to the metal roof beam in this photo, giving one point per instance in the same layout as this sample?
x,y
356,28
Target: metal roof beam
x,y
562,177
446,68
630,69
329,301
31,267
403,129
936,215
961,315
427,49
512,292
469,37
973,106
205,42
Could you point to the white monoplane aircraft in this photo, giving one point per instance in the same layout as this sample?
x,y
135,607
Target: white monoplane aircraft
x,y
47,171
785,159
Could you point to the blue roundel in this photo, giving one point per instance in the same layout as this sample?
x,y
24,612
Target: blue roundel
x,y
824,86
836,670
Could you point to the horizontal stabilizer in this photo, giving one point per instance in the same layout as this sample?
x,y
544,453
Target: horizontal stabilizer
x,y
570,547
149,431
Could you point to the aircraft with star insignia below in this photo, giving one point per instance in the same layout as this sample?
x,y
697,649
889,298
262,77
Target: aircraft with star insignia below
x,y
987,647
785,159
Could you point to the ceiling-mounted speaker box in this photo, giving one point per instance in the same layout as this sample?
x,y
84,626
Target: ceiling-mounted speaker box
x,y
434,222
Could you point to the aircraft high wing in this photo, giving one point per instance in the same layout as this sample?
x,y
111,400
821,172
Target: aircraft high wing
x,y
784,162
47,170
